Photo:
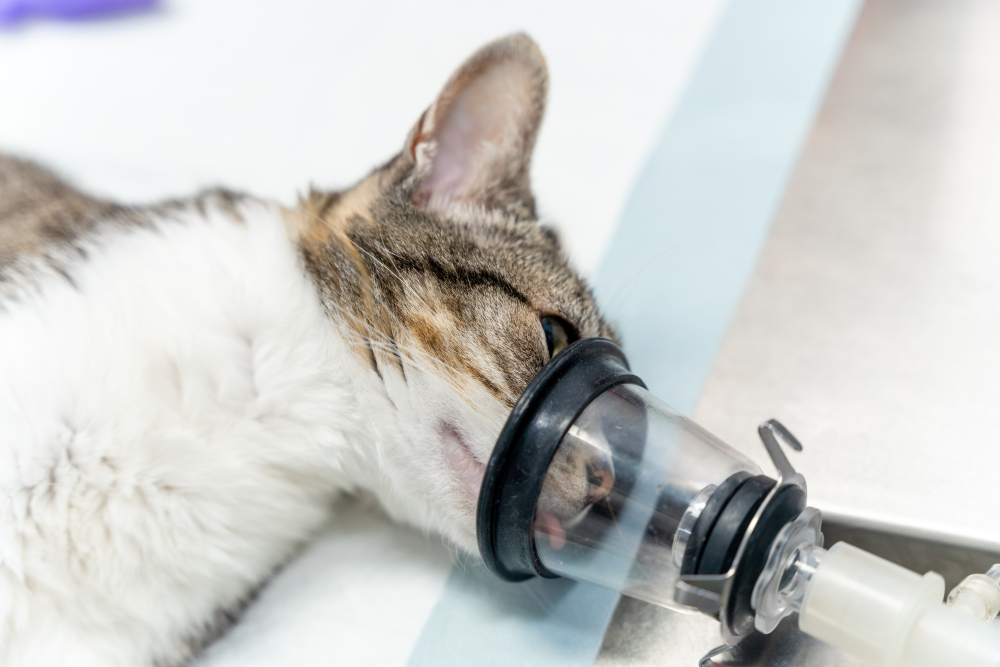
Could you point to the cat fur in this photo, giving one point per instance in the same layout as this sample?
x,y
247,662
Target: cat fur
x,y
186,387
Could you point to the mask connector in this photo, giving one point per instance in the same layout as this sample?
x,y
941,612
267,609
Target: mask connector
x,y
730,544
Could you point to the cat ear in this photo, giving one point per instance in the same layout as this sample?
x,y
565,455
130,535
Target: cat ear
x,y
474,144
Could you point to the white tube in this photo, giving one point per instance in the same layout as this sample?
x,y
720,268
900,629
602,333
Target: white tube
x,y
890,616
943,636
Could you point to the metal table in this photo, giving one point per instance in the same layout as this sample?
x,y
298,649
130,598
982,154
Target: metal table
x,y
871,326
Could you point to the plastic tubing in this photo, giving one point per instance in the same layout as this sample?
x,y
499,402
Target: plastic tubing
x,y
892,617
978,595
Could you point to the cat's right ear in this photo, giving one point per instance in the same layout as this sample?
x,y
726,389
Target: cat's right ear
x,y
474,144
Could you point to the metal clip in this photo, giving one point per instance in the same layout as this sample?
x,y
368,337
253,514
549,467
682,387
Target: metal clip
x,y
786,473
707,661
770,432
705,593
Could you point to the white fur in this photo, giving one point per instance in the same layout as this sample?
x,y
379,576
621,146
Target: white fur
x,y
175,422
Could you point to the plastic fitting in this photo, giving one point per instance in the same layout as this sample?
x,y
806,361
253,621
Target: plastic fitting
x,y
978,596
890,616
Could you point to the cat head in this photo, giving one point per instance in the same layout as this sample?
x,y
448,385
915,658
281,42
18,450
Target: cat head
x,y
451,293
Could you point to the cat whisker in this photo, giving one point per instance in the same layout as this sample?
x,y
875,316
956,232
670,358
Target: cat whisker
x,y
373,258
635,280
399,277
378,223
422,361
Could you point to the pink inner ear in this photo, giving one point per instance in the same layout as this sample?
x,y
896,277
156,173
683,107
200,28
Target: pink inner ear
x,y
479,132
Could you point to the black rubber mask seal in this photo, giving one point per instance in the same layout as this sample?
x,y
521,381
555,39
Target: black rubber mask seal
x,y
514,475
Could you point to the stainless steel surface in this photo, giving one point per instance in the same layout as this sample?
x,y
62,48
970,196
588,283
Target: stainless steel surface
x,y
693,637
950,555
871,326
882,268
641,634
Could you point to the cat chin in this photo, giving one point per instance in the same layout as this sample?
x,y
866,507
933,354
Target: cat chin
x,y
463,462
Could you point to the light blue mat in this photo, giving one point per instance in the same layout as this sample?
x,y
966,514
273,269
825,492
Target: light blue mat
x,y
677,265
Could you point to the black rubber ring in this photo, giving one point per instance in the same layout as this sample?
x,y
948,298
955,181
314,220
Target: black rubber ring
x,y
513,479
706,520
787,504
724,540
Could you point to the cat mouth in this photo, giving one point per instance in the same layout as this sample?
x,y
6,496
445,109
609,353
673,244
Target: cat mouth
x,y
549,524
465,464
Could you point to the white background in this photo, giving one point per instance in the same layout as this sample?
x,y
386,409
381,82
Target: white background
x,y
272,96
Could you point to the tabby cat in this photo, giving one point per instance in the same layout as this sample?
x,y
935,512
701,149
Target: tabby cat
x,y
185,387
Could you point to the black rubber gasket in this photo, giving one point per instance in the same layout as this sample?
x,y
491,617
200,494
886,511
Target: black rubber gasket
x,y
786,506
513,479
724,540
706,520
721,528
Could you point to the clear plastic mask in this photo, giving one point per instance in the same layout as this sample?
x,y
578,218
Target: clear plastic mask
x,y
623,491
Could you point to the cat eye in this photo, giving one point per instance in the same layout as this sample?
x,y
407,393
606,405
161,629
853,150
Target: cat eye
x,y
558,334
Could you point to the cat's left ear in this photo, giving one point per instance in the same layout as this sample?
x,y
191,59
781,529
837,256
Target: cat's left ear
x,y
474,144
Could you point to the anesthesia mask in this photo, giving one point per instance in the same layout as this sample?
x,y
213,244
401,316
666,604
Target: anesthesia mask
x,y
594,479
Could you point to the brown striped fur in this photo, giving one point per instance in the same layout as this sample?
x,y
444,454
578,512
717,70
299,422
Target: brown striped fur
x,y
45,223
435,259
461,276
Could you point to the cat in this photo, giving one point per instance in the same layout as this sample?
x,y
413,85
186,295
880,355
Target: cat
x,y
186,387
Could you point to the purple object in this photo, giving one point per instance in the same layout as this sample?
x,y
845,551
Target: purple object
x,y
15,11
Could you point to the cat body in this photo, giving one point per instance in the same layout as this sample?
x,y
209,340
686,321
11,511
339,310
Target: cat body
x,y
185,388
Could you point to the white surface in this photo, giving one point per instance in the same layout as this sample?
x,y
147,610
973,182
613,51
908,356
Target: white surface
x,y
270,96
358,596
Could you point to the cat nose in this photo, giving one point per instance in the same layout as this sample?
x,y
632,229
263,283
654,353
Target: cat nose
x,y
600,478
